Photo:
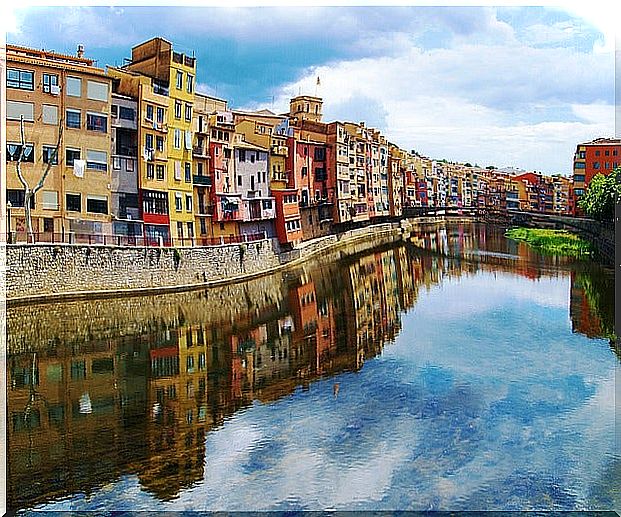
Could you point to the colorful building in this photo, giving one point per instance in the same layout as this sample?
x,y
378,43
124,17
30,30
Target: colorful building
x,y
600,156
49,90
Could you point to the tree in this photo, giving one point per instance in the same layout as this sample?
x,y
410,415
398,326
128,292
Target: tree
x,y
467,164
30,192
601,195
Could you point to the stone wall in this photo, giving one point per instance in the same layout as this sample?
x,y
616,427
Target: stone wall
x,y
44,269
52,271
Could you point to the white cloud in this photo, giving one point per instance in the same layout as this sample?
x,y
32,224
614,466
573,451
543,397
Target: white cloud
x,y
474,102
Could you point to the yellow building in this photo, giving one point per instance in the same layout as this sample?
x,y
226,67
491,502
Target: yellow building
x,y
152,154
205,107
174,75
49,89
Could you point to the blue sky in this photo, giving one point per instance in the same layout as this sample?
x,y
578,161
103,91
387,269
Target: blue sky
x,y
509,86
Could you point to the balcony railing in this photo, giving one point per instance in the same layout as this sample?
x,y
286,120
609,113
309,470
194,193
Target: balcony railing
x,y
128,240
202,180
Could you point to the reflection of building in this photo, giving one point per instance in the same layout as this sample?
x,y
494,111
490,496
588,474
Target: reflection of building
x,y
584,317
143,400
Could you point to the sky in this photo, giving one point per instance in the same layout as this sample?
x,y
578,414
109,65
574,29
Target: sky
x,y
506,86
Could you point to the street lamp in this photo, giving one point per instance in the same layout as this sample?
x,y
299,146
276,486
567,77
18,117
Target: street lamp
x,y
8,226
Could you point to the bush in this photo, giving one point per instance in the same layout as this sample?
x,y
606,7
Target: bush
x,y
600,197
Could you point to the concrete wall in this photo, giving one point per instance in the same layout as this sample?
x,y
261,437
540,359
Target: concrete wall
x,y
48,269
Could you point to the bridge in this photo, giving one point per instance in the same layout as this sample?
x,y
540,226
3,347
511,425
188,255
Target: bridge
x,y
600,234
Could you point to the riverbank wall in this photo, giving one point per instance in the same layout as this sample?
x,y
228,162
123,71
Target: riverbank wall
x,y
37,273
601,235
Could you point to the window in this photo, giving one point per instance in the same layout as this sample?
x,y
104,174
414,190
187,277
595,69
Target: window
x,y
239,181
50,80
114,111
180,235
190,83
579,165
179,80
50,154
71,155
188,112
227,152
50,200
148,141
16,109
159,169
607,153
116,163
74,119
596,153
177,142
97,91
177,109
97,122
190,228
97,204
150,171
13,151
304,171
49,114
178,202
579,191
188,172
320,153
149,114
578,177
74,202
178,170
203,224
159,143
607,165
596,165
127,113
155,202
160,115
21,79
188,202
74,86
614,152
242,155
97,160
17,198
252,156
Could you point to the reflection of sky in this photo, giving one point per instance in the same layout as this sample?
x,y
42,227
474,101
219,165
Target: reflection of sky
x,y
485,401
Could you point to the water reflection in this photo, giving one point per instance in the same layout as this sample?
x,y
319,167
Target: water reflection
x,y
99,391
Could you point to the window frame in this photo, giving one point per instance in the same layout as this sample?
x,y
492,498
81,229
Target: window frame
x,y
19,82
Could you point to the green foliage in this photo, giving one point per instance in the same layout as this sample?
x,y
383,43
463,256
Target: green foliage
x,y
599,199
599,290
556,242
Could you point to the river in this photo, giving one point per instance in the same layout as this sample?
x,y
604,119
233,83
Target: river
x,y
457,370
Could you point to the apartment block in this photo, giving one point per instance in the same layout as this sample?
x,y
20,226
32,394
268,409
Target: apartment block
x,y
173,75
49,90
600,156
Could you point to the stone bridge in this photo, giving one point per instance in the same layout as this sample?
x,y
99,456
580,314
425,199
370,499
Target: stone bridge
x,y
600,234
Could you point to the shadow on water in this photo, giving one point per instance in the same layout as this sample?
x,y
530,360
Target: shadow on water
x,y
99,393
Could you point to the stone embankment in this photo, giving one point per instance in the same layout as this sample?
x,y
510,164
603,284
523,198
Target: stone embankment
x,y
51,272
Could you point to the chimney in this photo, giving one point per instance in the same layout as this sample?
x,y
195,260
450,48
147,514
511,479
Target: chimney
x,y
80,50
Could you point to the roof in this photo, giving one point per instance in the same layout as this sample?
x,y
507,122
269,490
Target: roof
x,y
247,145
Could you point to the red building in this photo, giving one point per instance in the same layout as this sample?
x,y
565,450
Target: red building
x,y
288,224
600,156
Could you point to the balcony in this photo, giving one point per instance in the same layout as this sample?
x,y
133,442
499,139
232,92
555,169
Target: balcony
x,y
202,180
199,151
280,150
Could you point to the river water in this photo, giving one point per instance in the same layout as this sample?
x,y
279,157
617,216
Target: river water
x,y
456,371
